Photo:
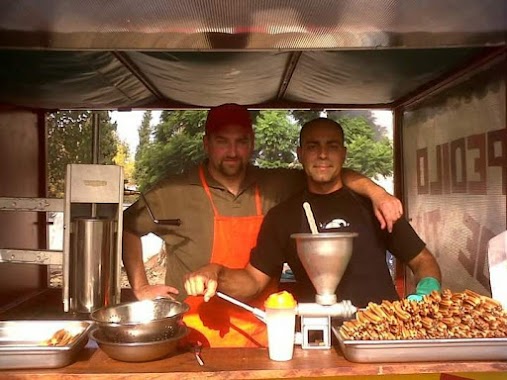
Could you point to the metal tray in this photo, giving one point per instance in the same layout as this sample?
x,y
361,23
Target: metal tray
x,y
20,344
377,351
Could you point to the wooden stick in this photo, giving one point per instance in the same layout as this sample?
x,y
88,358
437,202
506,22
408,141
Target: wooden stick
x,y
310,218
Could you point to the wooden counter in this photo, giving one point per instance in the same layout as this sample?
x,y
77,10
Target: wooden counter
x,y
222,363
240,363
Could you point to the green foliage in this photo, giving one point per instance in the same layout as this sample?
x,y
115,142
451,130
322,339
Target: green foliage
x,y
369,151
176,122
144,131
70,142
364,154
177,143
275,139
122,158
176,146
304,116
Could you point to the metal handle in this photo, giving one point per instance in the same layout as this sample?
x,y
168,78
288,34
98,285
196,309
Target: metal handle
x,y
166,222
197,347
261,315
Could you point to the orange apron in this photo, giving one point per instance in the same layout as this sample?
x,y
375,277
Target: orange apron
x,y
218,323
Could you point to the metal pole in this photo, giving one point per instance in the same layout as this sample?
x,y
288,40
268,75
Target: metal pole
x,y
95,137
95,149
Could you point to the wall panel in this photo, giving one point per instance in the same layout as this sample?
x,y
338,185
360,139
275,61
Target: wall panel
x,y
455,172
20,177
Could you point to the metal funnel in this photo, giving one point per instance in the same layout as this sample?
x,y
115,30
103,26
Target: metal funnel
x,y
325,257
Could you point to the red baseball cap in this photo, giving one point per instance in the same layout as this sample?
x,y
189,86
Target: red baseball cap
x,y
228,114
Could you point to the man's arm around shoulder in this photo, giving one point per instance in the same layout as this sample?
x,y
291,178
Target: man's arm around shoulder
x,y
387,208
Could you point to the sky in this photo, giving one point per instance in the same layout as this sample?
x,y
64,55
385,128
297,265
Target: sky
x,y
384,118
129,121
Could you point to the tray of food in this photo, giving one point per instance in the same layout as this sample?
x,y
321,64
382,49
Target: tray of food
x,y
41,344
443,327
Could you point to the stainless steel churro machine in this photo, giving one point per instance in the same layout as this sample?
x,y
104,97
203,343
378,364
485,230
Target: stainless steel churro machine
x,y
325,257
93,209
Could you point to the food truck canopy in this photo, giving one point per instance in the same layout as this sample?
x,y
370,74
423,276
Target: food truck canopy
x,y
126,54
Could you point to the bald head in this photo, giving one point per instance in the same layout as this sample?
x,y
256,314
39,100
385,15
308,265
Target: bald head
x,y
321,121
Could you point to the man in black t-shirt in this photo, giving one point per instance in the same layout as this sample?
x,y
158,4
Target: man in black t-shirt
x,y
367,276
336,208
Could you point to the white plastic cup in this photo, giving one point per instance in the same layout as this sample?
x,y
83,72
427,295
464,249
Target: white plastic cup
x,y
281,324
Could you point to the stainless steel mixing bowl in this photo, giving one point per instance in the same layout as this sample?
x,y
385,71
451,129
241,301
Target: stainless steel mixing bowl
x,y
140,321
141,351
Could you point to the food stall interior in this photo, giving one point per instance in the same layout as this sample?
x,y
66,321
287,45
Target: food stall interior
x,y
439,66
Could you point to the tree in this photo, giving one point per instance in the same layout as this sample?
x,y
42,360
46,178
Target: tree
x,y
177,145
369,151
144,131
70,142
303,116
122,158
275,140
364,154
380,131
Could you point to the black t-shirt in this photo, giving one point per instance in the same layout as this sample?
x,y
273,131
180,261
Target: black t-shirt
x,y
366,278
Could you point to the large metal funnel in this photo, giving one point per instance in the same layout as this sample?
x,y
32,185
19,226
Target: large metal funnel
x,y
325,257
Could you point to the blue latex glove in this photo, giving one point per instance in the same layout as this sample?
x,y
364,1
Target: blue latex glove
x,y
425,287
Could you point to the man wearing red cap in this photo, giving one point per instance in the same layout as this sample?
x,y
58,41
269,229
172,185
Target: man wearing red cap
x,y
221,204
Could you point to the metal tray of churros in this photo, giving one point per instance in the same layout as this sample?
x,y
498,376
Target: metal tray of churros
x,y
41,344
417,350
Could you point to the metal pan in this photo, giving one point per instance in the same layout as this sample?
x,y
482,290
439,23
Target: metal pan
x,y
378,351
21,343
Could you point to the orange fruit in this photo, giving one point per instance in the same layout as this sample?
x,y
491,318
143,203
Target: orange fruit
x,y
280,300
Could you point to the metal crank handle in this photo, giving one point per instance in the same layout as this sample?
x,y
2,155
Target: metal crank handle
x,y
197,348
260,314
199,359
